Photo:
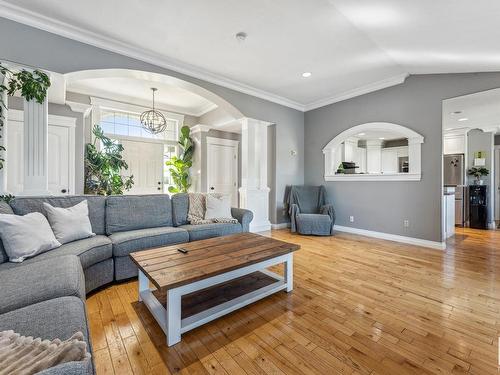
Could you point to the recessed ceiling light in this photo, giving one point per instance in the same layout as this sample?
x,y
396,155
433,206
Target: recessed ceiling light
x,y
463,119
361,134
381,138
448,129
306,74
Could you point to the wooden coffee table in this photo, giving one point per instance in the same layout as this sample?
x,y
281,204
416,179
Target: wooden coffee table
x,y
215,277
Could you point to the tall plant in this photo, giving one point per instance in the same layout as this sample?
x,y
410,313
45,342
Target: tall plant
x,y
103,166
32,86
179,166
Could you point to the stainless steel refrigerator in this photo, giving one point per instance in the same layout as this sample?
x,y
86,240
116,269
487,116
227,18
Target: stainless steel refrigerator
x,y
454,175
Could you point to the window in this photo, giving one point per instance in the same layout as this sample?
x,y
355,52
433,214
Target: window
x,y
129,124
169,151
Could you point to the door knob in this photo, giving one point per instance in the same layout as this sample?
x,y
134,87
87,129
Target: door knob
x,y
63,191
159,188
212,188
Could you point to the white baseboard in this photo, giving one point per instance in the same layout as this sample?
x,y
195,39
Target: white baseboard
x,y
392,237
261,227
280,226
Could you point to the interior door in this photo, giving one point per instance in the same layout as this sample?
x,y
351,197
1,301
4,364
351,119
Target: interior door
x,y
222,169
145,163
58,160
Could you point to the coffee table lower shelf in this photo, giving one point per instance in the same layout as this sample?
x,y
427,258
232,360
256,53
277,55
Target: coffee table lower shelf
x,y
174,322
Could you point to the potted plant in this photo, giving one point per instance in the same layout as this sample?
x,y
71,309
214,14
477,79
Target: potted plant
x,y
478,172
179,166
104,165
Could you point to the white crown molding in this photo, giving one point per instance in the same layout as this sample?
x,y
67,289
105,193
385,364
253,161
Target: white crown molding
x,y
200,129
392,81
392,237
79,107
54,120
27,17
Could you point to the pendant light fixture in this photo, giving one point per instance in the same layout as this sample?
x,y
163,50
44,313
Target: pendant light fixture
x,y
153,121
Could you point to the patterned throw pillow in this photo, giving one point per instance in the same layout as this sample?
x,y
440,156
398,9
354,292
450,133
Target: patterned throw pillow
x,y
198,207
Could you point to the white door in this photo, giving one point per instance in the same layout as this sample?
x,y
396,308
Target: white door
x,y
58,161
145,163
61,154
222,167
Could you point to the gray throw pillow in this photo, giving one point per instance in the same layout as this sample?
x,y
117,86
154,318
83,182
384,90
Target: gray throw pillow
x,y
26,236
70,224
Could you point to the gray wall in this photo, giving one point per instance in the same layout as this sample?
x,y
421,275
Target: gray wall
x,y
382,206
477,140
38,48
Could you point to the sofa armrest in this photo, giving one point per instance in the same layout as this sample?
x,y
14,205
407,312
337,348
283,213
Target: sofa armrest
x,y
243,216
328,209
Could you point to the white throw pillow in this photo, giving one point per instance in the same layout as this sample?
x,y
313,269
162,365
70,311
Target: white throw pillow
x,y
218,207
26,236
70,224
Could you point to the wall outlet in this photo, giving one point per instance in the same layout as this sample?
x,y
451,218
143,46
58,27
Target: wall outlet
x,y
406,223
351,219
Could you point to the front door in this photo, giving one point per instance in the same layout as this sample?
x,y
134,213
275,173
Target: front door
x,y
145,163
222,167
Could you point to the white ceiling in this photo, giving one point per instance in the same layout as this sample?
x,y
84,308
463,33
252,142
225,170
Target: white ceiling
x,y
351,47
376,134
477,111
138,91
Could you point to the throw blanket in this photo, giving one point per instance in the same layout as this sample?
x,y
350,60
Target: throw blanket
x,y
26,355
198,207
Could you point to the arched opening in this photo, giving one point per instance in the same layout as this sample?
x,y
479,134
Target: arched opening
x,y
374,151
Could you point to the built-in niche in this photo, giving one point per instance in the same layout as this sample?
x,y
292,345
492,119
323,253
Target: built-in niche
x,y
375,151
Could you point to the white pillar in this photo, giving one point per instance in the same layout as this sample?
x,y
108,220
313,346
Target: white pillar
x,y
415,155
3,142
374,156
254,192
36,128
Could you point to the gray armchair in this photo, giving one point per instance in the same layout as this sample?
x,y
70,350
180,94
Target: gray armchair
x,y
309,210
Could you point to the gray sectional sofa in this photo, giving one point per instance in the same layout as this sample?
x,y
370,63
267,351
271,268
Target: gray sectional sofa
x,y
44,296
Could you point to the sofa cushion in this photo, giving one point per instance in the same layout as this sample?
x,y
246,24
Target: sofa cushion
x,y
317,224
125,243
4,209
180,207
96,204
202,231
55,318
90,251
131,212
39,281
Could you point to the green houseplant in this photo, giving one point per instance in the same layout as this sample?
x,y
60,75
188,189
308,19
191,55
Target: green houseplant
x,y
478,172
103,166
32,86
179,166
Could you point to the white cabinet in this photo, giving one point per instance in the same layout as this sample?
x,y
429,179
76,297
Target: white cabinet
x,y
390,158
454,144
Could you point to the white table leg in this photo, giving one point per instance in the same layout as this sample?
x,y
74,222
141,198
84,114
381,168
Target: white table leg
x,y
143,284
173,317
289,273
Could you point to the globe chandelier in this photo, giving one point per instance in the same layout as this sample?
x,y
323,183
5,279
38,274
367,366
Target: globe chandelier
x,y
152,120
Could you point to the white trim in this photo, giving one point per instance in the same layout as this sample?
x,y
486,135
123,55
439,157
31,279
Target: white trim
x,y
375,177
120,137
280,226
169,317
222,142
385,83
200,129
69,122
392,237
30,18
259,228
80,107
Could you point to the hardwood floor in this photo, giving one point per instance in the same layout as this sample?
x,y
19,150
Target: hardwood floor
x,y
360,306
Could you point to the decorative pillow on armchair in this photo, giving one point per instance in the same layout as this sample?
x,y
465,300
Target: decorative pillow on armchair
x,y
26,236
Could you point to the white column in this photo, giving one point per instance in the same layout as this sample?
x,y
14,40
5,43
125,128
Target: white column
x,y
36,120
3,142
254,192
374,156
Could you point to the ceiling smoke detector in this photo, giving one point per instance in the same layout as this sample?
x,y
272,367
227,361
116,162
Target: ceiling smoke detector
x,y
241,36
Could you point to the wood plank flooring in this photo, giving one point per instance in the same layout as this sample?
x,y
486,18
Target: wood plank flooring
x,y
359,306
